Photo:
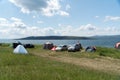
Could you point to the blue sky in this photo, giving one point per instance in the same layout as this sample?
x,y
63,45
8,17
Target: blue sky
x,y
22,18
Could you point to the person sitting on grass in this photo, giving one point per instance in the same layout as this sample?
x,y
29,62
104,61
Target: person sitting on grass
x,y
78,46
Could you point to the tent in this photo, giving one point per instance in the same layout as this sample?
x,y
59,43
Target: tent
x,y
117,45
48,45
54,48
20,50
91,49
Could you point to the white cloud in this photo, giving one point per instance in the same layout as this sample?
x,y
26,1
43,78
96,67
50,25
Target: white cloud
x,y
16,28
63,13
15,19
68,7
54,8
87,30
40,22
2,19
112,29
46,7
83,30
34,16
17,23
108,31
65,30
88,27
97,16
29,5
12,28
112,18
3,22
50,31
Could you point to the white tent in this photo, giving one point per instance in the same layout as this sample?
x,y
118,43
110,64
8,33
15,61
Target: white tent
x,y
20,49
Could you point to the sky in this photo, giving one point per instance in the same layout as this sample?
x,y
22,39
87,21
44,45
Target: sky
x,y
23,18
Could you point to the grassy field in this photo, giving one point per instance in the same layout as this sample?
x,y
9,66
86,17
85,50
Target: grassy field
x,y
32,67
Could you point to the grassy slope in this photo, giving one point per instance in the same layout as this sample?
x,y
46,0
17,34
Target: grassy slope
x,y
30,67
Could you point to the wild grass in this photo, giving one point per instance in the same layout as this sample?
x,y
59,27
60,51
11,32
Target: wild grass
x,y
31,67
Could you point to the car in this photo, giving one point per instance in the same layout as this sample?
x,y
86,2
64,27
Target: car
x,y
62,48
71,49
74,48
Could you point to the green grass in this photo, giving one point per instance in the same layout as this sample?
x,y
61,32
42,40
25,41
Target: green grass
x,y
110,52
31,67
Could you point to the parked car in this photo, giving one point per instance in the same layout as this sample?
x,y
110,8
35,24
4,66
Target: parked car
x,y
74,48
71,49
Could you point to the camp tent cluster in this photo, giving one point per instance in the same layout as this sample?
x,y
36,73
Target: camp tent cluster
x,y
74,48
20,49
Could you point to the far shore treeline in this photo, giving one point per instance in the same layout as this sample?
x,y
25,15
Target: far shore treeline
x,y
54,38
105,37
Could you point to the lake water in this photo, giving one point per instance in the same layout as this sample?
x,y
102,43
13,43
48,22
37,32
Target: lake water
x,y
103,42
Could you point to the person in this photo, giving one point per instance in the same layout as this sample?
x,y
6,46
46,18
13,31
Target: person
x,y
78,46
91,48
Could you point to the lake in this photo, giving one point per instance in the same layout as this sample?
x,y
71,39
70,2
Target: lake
x,y
103,42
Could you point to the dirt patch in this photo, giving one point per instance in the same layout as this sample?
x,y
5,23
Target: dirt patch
x,y
102,64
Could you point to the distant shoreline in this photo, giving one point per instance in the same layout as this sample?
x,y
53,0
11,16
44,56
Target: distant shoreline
x,y
54,38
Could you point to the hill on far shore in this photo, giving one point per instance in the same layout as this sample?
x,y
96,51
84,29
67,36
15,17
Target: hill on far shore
x,y
117,37
54,38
